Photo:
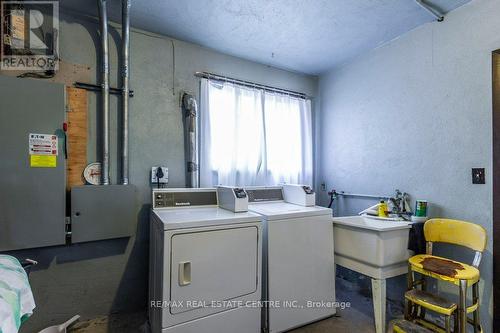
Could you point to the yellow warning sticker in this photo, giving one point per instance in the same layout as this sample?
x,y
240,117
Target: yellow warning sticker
x,y
43,161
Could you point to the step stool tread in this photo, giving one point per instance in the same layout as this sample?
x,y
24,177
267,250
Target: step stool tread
x,y
416,295
410,327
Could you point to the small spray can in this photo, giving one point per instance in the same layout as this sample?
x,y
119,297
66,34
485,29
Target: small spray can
x,y
421,208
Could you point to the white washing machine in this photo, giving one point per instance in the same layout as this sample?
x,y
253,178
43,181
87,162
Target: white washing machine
x,y
205,265
298,257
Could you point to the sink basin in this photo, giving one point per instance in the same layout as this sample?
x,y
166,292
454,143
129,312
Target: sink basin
x,y
372,247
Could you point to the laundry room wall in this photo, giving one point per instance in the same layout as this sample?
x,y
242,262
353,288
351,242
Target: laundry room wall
x,y
416,115
99,278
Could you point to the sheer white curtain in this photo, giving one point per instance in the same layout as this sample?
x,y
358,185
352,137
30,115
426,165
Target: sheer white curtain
x,y
252,137
288,128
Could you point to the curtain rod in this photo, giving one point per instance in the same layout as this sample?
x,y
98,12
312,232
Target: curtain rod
x,y
249,84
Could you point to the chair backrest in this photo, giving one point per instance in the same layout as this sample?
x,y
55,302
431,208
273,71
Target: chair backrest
x,y
456,232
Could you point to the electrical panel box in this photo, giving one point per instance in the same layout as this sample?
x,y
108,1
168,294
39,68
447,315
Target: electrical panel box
x,y
103,212
32,164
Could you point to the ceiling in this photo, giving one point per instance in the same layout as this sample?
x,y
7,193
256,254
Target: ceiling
x,y
307,36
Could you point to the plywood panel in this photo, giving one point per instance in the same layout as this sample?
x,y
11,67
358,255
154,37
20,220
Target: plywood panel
x,y
77,135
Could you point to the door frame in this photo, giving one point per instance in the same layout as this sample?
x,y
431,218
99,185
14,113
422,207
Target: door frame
x,y
496,186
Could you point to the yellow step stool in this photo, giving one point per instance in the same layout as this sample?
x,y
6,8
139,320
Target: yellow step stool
x,y
463,275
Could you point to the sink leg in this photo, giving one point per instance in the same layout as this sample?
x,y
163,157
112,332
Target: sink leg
x,y
379,299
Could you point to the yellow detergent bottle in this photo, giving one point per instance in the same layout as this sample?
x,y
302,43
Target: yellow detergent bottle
x,y
382,209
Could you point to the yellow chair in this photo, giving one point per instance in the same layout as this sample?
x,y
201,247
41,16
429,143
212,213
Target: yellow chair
x,y
417,301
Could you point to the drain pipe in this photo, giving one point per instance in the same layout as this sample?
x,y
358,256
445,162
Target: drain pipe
x,y
190,108
104,90
433,11
125,82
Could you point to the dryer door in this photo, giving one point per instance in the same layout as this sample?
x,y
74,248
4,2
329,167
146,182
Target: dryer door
x,y
212,266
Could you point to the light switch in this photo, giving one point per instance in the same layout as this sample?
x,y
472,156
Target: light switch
x,y
478,176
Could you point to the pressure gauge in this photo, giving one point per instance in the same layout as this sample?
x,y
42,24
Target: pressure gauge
x,y
92,173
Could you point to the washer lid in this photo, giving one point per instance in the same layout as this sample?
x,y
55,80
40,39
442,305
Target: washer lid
x,y
182,218
284,210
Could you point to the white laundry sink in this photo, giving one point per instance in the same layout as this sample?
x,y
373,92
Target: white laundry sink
x,y
376,248
370,246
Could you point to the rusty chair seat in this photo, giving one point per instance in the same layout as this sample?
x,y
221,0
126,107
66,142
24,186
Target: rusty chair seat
x,y
444,269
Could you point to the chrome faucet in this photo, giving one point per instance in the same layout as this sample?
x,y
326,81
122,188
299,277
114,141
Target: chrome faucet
x,y
400,205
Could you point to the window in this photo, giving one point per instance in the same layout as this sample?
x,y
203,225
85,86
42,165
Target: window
x,y
253,137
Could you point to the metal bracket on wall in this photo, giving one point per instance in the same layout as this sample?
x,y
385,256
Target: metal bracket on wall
x,y
97,88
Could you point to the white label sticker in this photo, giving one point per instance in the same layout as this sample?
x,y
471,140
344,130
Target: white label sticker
x,y
43,144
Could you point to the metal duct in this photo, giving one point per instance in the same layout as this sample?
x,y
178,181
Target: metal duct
x,y
125,82
104,90
433,11
190,109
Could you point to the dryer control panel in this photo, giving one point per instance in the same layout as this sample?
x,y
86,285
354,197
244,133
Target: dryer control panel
x,y
299,194
168,198
264,193
233,198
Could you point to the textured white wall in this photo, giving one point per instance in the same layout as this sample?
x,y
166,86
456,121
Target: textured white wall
x,y
415,114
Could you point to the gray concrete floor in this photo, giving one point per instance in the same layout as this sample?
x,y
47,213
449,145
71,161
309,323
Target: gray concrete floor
x,y
356,319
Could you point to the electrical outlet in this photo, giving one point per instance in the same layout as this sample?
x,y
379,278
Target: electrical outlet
x,y
478,176
162,180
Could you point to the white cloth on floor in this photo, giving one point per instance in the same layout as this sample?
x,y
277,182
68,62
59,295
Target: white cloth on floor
x,y
16,298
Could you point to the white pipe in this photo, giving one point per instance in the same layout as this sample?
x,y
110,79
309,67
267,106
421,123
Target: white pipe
x,y
362,195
